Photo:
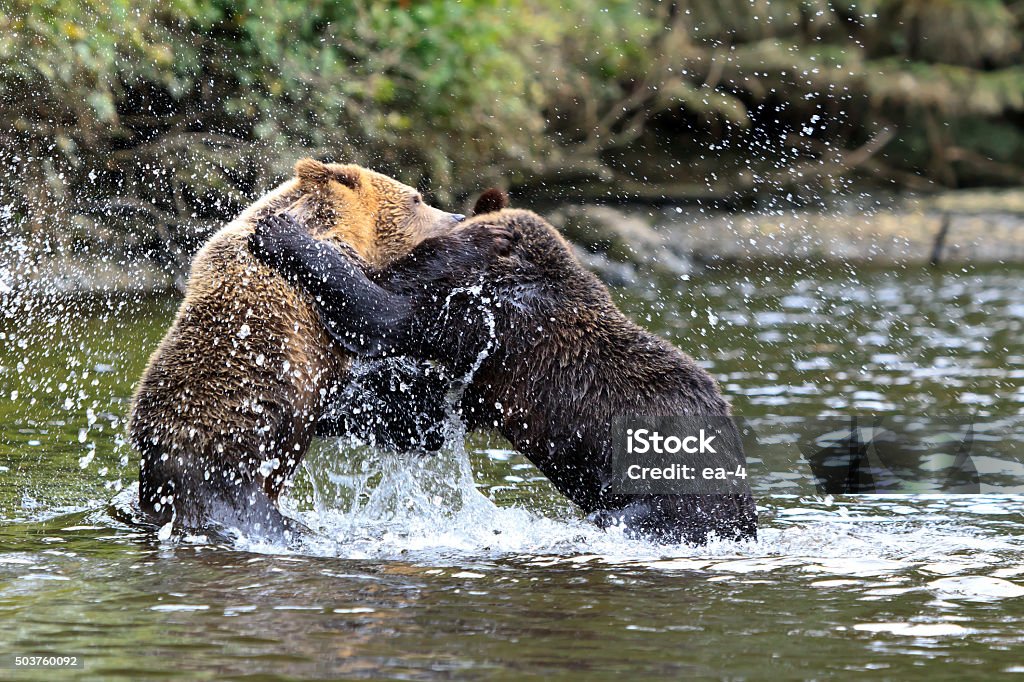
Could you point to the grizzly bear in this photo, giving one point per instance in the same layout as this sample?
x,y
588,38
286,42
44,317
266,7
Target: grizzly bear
x,y
552,360
243,379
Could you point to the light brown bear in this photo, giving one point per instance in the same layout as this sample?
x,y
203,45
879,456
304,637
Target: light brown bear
x,y
232,397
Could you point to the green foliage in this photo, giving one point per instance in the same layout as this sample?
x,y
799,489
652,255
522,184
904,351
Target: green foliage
x,y
146,122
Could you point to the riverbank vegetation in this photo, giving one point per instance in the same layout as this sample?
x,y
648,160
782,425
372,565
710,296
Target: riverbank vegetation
x,y
144,124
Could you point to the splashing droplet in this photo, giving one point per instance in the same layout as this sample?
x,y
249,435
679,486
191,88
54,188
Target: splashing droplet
x,y
164,533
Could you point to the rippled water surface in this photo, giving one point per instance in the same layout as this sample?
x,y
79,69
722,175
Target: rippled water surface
x,y
468,565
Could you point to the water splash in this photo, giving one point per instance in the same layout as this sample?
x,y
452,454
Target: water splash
x,y
431,511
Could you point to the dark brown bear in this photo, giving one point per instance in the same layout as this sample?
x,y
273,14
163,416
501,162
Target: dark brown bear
x,y
552,361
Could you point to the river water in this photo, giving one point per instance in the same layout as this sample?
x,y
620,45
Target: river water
x,y
468,565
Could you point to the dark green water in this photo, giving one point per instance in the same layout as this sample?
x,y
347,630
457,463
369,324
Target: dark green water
x,y
419,576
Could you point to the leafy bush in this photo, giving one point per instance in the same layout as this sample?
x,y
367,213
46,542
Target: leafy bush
x,y
144,124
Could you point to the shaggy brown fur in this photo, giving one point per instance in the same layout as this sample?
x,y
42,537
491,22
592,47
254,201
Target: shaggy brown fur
x,y
551,357
490,200
231,398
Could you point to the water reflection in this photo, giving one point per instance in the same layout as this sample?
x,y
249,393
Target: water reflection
x,y
489,573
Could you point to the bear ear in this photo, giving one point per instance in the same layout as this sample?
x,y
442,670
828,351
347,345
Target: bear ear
x,y
315,172
490,201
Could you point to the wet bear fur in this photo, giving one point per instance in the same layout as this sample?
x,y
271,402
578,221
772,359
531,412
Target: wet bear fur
x,y
550,359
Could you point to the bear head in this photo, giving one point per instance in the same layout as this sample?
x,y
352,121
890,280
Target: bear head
x,y
379,217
